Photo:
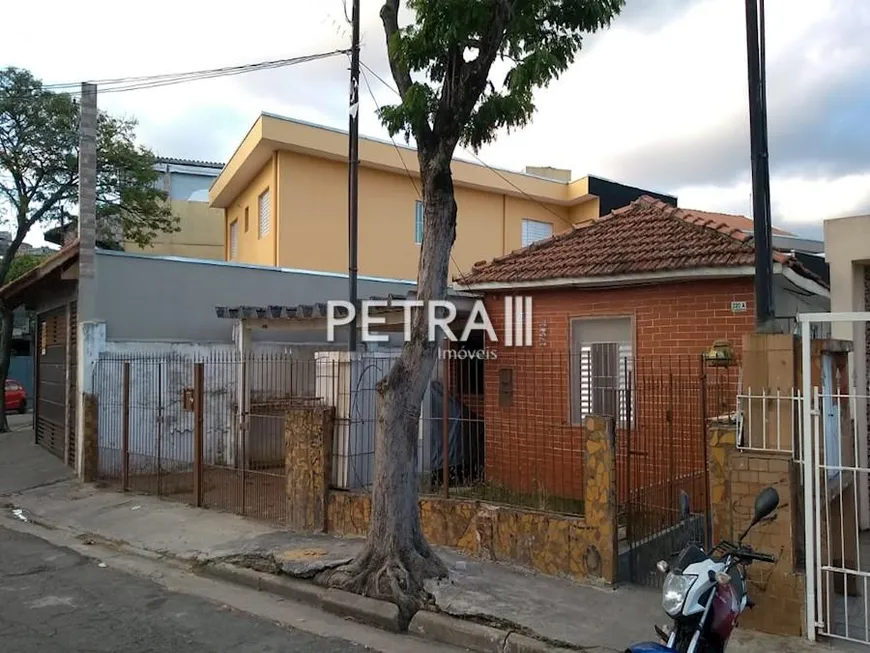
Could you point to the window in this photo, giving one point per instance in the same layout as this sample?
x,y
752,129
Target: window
x,y
265,209
418,222
534,230
234,240
600,365
246,219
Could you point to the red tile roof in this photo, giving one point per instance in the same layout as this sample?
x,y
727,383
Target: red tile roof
x,y
736,221
645,236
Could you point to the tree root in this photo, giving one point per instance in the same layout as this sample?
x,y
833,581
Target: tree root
x,y
396,575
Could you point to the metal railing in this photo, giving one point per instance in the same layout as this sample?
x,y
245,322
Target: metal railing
x,y
208,428
770,420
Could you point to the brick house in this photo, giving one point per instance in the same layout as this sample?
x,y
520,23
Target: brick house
x,y
623,307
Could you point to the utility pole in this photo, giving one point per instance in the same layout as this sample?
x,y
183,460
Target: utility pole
x,y
87,232
353,174
761,218
87,180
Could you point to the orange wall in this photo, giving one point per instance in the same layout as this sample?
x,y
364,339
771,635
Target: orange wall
x,y
312,210
252,248
531,445
588,210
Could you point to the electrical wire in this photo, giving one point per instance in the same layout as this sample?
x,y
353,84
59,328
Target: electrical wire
x,y
405,165
123,84
478,159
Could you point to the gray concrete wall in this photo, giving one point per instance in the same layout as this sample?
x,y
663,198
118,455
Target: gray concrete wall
x,y
790,301
148,298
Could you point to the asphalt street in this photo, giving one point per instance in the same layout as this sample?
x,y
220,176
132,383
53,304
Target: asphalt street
x,y
53,600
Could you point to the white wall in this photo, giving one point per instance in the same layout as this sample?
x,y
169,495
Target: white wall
x,y
158,421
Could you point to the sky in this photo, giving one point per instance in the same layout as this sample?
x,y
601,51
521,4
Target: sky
x,y
658,100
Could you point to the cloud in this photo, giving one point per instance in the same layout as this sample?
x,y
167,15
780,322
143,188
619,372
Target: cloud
x,y
658,100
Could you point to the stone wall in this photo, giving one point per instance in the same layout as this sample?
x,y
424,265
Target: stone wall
x,y
736,478
550,543
308,456
90,449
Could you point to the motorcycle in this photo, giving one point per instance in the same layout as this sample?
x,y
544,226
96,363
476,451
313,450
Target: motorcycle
x,y
704,594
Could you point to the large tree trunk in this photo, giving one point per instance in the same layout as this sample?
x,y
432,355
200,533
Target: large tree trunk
x,y
397,560
6,323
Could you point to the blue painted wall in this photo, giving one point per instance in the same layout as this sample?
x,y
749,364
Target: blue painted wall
x,y
21,369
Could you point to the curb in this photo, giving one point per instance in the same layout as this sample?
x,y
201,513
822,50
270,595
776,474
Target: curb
x,y
287,588
431,626
464,634
382,614
362,608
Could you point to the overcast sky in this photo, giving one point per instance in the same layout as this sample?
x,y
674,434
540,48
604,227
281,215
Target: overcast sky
x,y
658,101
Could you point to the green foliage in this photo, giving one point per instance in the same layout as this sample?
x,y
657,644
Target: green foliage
x,y
22,264
453,44
39,165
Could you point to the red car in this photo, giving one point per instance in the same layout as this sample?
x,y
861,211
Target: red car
x,y
16,396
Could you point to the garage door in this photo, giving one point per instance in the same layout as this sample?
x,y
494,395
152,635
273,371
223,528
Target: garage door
x,y
51,390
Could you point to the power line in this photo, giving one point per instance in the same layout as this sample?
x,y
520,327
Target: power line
x,y
479,160
123,84
402,159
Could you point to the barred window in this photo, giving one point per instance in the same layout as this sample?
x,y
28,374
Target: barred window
x,y
601,363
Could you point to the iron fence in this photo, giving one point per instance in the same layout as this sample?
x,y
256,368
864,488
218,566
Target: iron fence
x,y
209,429
206,430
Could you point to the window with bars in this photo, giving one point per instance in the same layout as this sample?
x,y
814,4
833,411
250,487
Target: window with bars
x,y
418,222
601,364
535,230
234,240
264,206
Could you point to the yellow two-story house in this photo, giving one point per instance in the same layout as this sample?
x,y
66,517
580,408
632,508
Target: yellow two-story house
x,y
284,199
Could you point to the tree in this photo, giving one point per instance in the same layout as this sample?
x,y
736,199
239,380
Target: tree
x,y
22,264
453,44
39,177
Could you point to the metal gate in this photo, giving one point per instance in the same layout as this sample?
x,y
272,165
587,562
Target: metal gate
x,y
51,382
836,477
662,460
72,384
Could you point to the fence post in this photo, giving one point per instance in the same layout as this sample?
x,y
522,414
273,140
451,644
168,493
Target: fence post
x,y
197,432
629,418
705,426
159,425
125,433
445,420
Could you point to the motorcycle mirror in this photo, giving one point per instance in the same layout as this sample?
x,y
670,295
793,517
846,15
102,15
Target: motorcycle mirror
x,y
765,503
685,508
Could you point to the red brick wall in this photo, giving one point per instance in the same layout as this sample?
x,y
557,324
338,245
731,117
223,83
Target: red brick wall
x,y
531,445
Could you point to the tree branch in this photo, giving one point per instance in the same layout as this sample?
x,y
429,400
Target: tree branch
x,y
401,73
49,204
390,19
466,81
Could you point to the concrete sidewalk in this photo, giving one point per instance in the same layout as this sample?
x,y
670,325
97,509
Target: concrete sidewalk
x,y
555,610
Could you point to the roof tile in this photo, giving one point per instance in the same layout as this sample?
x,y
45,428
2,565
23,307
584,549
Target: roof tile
x,y
645,236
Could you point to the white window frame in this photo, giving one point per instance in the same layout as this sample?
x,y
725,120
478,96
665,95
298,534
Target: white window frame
x,y
528,224
234,239
264,213
582,390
